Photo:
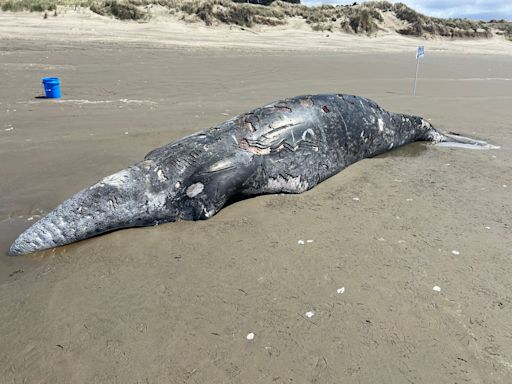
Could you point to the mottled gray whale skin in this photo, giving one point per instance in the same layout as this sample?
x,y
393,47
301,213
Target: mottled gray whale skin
x,y
285,147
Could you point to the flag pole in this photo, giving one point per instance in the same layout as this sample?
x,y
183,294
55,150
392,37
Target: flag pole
x,y
416,77
419,54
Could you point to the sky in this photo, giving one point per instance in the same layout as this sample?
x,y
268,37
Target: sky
x,y
471,9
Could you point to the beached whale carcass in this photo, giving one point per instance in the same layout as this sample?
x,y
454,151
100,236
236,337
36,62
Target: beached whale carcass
x,y
288,146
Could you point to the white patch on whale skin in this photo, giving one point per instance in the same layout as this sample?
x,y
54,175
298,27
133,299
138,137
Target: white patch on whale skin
x,y
195,189
115,180
291,185
435,137
381,125
209,213
156,200
161,176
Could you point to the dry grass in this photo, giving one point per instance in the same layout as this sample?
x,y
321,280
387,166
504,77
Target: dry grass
x,y
502,27
366,18
229,12
120,10
422,26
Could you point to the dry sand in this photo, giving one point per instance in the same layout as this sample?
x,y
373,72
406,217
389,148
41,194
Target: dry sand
x,y
174,303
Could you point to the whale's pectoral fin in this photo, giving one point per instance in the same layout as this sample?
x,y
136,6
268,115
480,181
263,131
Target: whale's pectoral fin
x,y
213,185
455,140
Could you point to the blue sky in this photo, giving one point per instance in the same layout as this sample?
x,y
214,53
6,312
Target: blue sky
x,y
472,9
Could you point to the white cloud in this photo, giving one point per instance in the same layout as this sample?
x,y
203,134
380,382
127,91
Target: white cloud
x,y
472,9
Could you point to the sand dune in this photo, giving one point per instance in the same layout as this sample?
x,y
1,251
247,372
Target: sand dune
x,y
79,26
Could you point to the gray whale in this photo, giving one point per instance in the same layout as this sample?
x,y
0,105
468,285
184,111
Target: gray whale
x,y
284,147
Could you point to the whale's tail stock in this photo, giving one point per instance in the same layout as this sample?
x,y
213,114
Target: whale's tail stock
x,y
441,138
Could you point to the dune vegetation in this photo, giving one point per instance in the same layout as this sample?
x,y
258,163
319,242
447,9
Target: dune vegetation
x,y
368,18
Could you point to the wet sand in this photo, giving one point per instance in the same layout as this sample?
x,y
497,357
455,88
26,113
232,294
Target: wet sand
x,y
174,303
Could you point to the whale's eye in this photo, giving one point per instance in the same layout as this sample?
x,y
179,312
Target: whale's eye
x,y
325,109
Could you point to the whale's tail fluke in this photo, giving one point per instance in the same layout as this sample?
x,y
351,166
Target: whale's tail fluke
x,y
455,140
110,204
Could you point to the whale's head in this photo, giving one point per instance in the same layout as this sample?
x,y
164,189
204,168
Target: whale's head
x,y
137,196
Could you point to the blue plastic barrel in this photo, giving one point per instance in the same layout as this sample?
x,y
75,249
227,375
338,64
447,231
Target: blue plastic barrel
x,y
51,87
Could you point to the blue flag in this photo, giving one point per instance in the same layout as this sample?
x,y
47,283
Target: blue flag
x,y
421,52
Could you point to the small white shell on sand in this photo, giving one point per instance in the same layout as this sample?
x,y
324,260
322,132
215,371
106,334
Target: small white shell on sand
x,y
436,288
309,241
456,253
355,198
300,242
504,185
381,239
250,336
487,227
340,290
309,314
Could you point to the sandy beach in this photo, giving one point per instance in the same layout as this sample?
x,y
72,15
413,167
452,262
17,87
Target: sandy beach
x,y
175,303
